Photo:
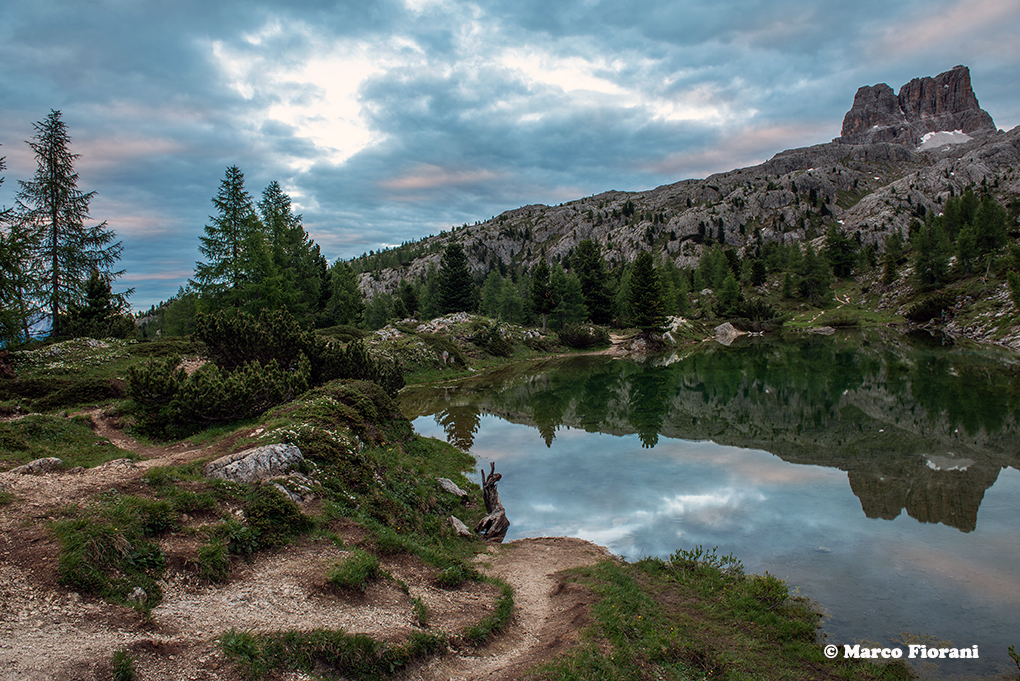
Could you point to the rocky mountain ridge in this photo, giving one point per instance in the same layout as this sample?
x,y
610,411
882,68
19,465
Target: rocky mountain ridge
x,y
872,188
924,105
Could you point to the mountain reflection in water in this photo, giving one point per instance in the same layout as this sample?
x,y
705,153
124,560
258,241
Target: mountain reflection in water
x,y
915,426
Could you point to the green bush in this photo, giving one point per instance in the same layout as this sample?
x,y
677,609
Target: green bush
x,y
491,339
440,344
936,306
272,517
583,336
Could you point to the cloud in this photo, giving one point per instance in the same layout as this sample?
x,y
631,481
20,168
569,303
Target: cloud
x,y
393,119
985,27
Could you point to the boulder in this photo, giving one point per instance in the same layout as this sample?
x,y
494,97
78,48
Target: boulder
x,y
460,527
253,465
451,487
727,333
39,466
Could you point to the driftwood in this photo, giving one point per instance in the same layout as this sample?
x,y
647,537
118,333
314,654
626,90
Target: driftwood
x,y
493,526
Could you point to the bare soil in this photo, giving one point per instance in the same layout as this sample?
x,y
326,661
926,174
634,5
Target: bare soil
x,y
48,632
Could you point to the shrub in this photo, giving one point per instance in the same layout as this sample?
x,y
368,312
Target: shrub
x,y
492,340
272,516
935,306
583,336
440,344
354,572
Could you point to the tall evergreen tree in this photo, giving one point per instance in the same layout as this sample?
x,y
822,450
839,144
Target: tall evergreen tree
x,y
542,300
931,255
815,280
841,251
52,212
590,266
645,296
346,303
456,286
294,254
16,267
221,279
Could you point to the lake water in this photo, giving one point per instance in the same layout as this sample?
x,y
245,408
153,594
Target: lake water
x,y
876,474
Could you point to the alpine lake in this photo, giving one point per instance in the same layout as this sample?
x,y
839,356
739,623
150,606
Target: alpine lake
x,y
876,473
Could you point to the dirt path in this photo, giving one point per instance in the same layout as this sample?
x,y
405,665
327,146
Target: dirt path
x,y
48,632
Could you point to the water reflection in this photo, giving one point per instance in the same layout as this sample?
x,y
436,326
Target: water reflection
x,y
875,474
916,426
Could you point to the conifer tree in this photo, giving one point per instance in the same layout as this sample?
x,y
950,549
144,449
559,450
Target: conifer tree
x,y
645,295
456,286
226,244
52,212
294,254
346,303
16,268
590,266
931,255
542,300
815,280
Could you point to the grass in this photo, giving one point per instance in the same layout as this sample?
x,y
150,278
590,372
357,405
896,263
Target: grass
x,y
333,651
695,617
122,666
70,439
354,572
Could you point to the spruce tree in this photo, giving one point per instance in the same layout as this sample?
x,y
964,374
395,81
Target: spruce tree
x,y
222,278
456,286
346,303
52,212
17,266
590,266
645,295
542,299
294,254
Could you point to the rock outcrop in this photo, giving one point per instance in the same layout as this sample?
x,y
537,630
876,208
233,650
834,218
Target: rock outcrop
x,y
924,105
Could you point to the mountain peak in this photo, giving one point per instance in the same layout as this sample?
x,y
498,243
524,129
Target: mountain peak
x,y
945,103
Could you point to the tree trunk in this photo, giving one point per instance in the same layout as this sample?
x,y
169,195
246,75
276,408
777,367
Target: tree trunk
x,y
493,526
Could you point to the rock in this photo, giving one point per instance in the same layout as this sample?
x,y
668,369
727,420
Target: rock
x,y
451,487
117,463
945,103
256,464
822,330
727,333
39,466
460,527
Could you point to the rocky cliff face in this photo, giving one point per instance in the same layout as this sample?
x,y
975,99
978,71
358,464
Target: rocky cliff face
x,y
924,105
870,189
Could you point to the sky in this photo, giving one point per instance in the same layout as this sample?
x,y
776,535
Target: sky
x,y
390,120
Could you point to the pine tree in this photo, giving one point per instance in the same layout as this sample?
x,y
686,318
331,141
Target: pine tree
x,y
52,212
294,254
542,300
221,280
456,286
931,256
645,295
16,269
570,307
346,303
841,251
815,280
590,266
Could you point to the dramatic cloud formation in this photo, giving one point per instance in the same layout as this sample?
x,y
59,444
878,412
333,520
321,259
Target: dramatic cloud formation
x,y
387,121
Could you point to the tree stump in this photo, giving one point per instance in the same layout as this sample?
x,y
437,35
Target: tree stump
x,y
493,526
